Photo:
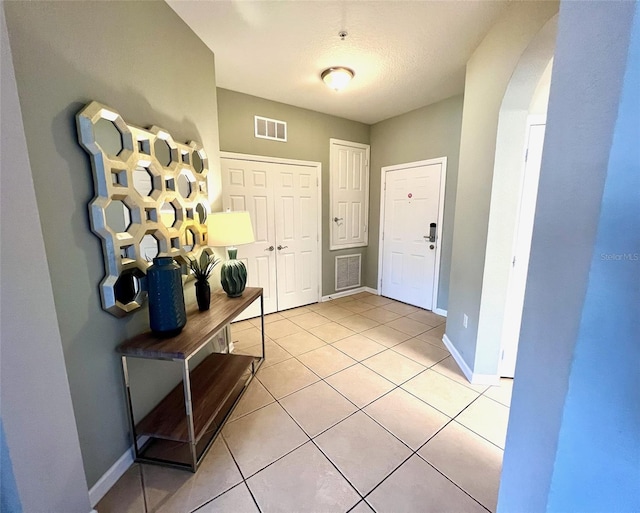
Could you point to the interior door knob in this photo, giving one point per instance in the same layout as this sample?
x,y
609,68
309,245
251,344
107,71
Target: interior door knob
x,y
270,248
337,219
282,247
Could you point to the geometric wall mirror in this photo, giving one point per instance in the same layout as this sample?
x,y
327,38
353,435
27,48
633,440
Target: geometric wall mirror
x,y
150,199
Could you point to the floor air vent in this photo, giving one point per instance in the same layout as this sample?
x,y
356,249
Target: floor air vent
x,y
348,271
270,129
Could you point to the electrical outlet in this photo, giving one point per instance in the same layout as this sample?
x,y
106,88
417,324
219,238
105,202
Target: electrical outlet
x,y
465,320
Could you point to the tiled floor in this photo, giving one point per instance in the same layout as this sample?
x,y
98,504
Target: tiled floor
x,y
358,407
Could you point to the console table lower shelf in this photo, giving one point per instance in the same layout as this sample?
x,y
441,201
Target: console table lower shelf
x,y
181,428
216,385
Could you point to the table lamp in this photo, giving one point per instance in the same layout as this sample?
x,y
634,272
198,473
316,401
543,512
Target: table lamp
x,y
230,229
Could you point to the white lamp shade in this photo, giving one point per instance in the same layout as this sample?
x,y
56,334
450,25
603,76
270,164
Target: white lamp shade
x,y
229,229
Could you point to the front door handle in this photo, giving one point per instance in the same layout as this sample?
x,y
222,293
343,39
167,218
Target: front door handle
x,y
282,247
270,248
337,219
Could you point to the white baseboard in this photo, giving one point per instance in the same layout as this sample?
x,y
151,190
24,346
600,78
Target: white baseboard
x,y
474,378
440,311
345,293
110,477
370,290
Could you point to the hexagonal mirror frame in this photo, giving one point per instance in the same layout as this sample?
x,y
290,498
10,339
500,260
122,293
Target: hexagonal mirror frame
x,y
113,179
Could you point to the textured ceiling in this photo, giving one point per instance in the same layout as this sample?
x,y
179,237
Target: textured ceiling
x,y
405,54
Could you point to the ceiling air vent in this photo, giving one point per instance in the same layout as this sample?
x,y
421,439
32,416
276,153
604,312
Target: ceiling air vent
x,y
270,129
348,271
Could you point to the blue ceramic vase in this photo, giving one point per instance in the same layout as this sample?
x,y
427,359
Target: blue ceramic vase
x,y
167,314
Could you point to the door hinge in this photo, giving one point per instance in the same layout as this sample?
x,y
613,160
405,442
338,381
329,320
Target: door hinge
x,y
317,182
526,155
513,262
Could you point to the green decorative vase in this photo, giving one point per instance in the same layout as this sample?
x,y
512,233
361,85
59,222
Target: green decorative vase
x,y
233,275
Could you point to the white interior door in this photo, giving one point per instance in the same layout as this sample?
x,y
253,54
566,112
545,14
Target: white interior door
x,y
282,200
297,241
522,249
412,197
248,185
349,194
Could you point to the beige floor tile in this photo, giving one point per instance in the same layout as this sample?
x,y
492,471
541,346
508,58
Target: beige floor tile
x,y
302,481
273,353
334,313
268,319
393,366
238,326
358,307
358,323
331,332
401,308
416,486
299,343
407,417
360,385
362,507
309,320
502,392
421,352
288,314
262,437
254,398
170,490
358,347
440,392
363,294
342,300
282,328
468,460
126,495
434,341
386,335
246,338
409,326
350,446
438,331
376,300
286,377
449,368
427,317
317,408
488,418
381,315
326,360
237,500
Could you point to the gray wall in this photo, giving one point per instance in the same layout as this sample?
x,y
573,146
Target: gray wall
x,y
308,135
425,133
142,60
573,442
488,73
36,416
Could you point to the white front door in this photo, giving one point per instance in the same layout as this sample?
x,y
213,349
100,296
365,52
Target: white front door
x,y
282,200
522,249
297,238
410,232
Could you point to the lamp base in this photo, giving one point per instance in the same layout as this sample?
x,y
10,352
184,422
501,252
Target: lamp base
x,y
233,277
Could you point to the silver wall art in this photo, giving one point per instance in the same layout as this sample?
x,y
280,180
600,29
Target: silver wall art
x,y
150,199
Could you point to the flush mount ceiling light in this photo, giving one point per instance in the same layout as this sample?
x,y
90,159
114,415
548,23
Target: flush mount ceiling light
x,y
337,77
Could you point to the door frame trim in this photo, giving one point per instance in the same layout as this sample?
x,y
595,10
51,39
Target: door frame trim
x,y
291,162
443,179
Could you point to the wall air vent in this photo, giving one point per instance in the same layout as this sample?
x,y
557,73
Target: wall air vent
x,y
348,271
270,129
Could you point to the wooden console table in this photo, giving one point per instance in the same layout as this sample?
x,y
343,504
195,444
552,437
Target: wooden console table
x,y
180,430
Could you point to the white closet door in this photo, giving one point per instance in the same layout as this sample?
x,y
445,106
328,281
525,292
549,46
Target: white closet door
x,y
282,200
248,185
297,241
